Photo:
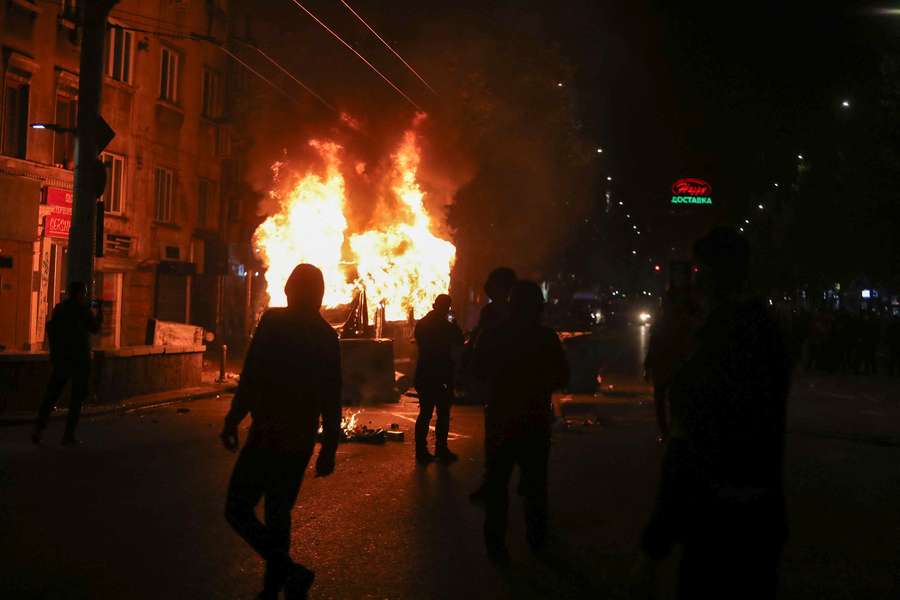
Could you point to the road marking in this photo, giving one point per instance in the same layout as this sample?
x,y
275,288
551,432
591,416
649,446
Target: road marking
x,y
451,435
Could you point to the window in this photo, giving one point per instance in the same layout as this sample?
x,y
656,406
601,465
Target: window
x,y
69,9
211,93
163,184
119,53
168,76
64,142
114,195
15,118
206,201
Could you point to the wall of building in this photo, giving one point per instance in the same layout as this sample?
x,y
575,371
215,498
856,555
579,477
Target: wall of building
x,y
183,139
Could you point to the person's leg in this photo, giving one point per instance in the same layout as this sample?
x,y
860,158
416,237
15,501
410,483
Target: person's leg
x,y
533,458
59,375
280,495
426,408
81,375
245,490
662,415
443,401
496,494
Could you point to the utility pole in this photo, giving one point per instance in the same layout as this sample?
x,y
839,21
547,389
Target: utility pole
x,y
82,242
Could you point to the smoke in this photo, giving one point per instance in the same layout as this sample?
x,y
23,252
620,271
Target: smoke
x,y
503,160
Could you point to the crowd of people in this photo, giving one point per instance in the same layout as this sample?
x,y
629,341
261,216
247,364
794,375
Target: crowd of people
x,y
840,341
721,364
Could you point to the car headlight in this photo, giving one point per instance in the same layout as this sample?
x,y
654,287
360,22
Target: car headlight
x,y
644,317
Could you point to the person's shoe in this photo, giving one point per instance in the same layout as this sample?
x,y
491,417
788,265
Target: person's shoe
x,y
71,440
424,457
298,582
445,456
478,496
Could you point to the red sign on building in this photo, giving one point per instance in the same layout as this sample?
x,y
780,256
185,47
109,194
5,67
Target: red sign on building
x,y
59,221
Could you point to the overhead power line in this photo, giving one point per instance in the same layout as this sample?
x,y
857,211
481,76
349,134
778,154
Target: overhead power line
x,y
360,56
388,46
291,75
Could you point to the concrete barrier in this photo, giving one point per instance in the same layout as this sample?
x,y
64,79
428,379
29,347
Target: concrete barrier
x,y
117,374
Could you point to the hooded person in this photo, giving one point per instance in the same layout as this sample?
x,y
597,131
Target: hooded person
x,y
291,378
522,362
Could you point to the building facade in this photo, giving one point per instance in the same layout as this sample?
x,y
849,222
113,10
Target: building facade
x,y
172,205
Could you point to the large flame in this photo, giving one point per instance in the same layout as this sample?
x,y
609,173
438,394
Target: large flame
x,y
402,264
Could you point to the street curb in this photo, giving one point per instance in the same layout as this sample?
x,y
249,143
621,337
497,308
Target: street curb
x,y
126,407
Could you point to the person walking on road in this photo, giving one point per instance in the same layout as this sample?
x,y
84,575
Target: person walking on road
x,y
291,378
69,333
497,287
721,494
436,337
522,362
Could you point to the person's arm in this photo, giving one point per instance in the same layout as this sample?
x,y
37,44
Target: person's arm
x,y
330,400
245,394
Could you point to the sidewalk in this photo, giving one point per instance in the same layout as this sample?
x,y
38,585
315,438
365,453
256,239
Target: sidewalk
x,y
209,388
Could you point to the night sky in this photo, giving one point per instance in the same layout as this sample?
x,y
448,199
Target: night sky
x,y
729,93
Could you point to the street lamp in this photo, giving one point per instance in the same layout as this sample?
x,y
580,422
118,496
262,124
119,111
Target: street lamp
x,y
799,157
608,178
52,127
845,104
761,206
599,150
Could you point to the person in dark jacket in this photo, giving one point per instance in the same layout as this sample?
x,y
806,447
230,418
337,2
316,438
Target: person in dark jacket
x,y
671,339
497,287
437,338
721,494
291,377
69,333
522,362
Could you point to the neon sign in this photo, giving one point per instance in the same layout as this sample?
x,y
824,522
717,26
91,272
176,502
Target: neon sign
x,y
688,190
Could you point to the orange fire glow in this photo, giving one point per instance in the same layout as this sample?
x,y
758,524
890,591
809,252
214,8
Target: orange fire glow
x,y
401,264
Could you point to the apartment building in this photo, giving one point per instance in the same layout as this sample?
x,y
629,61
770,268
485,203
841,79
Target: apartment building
x,y
172,202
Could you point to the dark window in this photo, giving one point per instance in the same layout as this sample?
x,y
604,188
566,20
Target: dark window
x,y
211,94
206,202
114,195
119,51
15,118
168,76
164,187
64,143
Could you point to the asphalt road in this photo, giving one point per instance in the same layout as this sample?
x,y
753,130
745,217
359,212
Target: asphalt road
x,y
137,511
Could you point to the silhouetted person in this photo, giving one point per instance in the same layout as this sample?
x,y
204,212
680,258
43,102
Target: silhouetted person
x,y
892,335
69,333
291,377
497,287
436,338
671,341
721,493
522,363
870,332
